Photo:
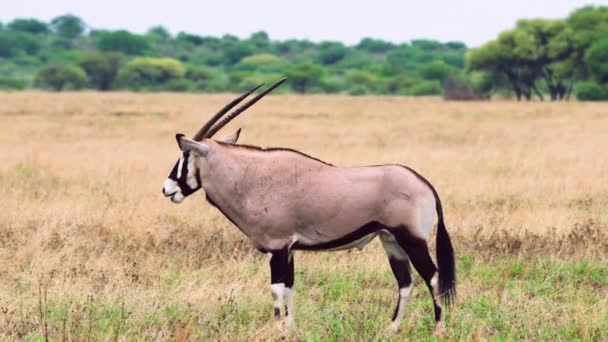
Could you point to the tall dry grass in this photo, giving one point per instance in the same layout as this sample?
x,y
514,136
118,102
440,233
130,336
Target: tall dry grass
x,y
82,217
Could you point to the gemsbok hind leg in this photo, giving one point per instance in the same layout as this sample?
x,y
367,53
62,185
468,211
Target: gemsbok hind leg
x,y
281,283
400,265
418,252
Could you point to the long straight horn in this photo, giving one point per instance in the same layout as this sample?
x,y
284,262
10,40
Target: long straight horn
x,y
242,108
201,132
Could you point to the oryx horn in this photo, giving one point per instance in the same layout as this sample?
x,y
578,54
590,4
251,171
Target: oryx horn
x,y
201,132
241,109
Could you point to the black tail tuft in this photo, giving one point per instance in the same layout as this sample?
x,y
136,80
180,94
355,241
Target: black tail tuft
x,y
445,259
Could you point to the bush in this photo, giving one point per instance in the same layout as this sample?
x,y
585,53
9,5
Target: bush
x,y
357,90
361,79
150,73
199,77
101,68
591,91
121,41
7,83
331,52
14,43
30,25
596,60
436,70
261,62
425,88
304,77
179,84
61,77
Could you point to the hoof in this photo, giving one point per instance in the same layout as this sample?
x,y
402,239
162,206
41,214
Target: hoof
x,y
440,329
392,328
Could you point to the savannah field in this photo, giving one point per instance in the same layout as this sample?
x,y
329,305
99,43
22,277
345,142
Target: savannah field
x,y
91,250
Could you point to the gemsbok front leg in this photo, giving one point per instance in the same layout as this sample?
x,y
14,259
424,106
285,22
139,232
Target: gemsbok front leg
x,y
281,283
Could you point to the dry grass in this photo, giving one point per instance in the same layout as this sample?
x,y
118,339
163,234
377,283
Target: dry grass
x,y
89,245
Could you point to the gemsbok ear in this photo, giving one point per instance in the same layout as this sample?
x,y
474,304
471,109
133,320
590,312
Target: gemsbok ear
x,y
232,138
186,144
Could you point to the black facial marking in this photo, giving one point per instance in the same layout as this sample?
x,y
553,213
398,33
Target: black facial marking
x,y
182,181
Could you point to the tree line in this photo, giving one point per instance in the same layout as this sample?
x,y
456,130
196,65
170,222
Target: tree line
x,y
64,54
543,58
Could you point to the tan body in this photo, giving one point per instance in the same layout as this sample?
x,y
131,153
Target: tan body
x,y
278,197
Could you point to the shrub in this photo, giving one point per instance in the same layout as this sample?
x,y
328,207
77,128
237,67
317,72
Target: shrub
x,y
304,77
596,60
362,79
101,68
591,91
178,84
121,41
357,90
7,83
425,88
149,73
261,62
61,77
199,77
436,70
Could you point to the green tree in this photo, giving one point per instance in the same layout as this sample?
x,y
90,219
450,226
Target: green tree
x,y
200,77
591,91
15,43
101,69
374,45
159,33
264,62
362,81
235,51
143,73
61,77
121,41
31,25
305,77
436,70
512,56
426,88
331,52
596,59
68,26
588,24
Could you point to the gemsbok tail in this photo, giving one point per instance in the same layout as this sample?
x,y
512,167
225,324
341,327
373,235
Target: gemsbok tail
x,y
445,258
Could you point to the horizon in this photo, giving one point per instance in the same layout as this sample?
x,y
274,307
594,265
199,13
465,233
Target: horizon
x,y
283,22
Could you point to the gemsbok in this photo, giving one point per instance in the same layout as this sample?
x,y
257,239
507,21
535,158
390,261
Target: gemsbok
x,y
284,200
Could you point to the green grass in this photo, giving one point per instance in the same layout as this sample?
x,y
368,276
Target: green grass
x,y
504,298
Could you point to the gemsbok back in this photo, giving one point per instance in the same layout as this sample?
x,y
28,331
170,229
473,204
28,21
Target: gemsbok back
x,y
284,200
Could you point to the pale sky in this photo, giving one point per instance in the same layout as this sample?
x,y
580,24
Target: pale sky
x,y
471,21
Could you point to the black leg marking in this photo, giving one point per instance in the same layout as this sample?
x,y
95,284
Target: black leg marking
x,y
279,267
418,252
281,278
401,270
289,279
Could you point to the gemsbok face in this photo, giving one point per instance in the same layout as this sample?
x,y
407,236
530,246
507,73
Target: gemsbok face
x,y
286,201
185,177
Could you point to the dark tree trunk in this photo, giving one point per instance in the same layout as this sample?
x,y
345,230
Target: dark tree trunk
x,y
538,93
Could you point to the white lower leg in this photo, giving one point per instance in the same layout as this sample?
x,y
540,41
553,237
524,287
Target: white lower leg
x,y
278,294
404,297
290,307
